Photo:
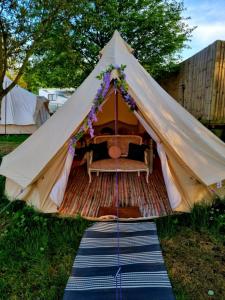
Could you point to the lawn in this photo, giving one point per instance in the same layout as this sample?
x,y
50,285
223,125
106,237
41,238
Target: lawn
x,y
194,252
37,251
10,142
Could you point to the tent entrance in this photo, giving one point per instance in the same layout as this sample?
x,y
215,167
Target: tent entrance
x,y
137,198
86,199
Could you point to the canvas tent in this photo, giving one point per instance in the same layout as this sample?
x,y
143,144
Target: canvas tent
x,y
192,158
22,111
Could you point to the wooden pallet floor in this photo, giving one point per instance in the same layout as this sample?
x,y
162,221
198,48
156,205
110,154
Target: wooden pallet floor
x,y
86,198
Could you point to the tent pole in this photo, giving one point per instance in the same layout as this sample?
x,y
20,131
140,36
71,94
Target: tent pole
x,y
116,111
118,273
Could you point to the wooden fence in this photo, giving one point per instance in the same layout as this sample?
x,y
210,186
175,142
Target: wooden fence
x,y
199,84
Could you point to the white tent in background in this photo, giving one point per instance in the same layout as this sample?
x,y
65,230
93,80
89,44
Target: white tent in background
x,y
192,158
22,111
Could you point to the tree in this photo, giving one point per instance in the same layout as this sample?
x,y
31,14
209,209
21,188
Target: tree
x,y
154,28
23,26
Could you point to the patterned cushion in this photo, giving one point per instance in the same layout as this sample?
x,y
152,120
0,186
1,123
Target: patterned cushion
x,y
114,152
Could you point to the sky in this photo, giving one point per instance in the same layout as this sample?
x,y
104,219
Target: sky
x,y
209,17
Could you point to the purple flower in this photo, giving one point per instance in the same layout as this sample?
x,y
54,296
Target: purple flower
x,y
104,93
94,118
99,91
106,80
82,128
91,131
127,97
89,122
71,150
122,90
71,142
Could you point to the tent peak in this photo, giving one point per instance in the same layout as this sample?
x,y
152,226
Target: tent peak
x,y
115,40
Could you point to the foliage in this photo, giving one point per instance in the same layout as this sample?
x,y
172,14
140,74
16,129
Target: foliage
x,y
155,29
23,26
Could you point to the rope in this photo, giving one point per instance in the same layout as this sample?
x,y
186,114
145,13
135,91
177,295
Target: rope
x,y
5,207
8,204
118,273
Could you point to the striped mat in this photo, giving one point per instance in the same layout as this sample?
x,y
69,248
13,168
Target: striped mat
x,y
143,274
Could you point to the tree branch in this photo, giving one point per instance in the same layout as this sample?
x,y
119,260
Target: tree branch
x,y
44,25
3,53
20,73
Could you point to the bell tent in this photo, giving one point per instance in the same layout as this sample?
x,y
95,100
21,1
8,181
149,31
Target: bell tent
x,y
22,111
192,159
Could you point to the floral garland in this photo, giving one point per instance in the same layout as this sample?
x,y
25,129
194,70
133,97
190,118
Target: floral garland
x,y
120,84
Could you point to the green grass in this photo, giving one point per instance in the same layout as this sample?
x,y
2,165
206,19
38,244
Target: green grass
x,y
16,138
10,142
37,250
193,248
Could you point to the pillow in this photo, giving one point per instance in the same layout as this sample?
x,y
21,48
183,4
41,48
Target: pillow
x,y
100,151
136,152
114,152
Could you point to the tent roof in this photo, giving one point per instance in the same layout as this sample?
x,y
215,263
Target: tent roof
x,y
196,147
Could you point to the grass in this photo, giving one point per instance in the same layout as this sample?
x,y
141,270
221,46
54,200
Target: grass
x,y
194,252
16,138
10,142
37,250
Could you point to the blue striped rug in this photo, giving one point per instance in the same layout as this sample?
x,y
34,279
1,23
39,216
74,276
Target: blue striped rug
x,y
143,273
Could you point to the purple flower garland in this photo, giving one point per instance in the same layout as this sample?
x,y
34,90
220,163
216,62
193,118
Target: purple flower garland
x,y
119,83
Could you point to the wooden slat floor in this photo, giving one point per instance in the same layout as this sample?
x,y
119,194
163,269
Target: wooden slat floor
x,y
85,198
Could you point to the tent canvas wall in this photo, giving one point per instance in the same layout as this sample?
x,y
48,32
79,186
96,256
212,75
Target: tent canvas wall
x,y
192,158
22,111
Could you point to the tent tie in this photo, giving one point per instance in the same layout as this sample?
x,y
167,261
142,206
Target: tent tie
x,y
8,204
118,272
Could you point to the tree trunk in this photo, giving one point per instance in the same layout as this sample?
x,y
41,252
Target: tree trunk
x,y
1,98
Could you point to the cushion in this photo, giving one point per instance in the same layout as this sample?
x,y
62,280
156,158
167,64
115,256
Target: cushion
x,y
122,164
100,151
136,152
114,152
121,141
